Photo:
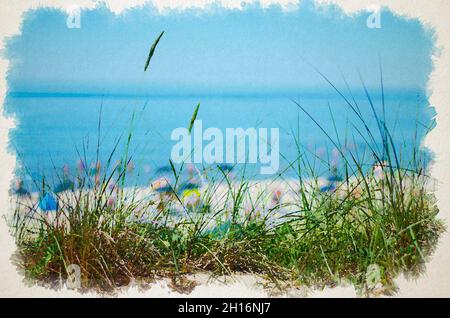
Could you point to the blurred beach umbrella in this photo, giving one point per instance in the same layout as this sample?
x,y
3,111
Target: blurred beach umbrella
x,y
195,176
190,185
193,179
191,197
165,191
81,167
64,185
332,180
334,175
191,169
130,166
225,167
95,168
335,178
190,189
276,196
164,170
18,188
328,187
97,179
22,192
48,203
161,185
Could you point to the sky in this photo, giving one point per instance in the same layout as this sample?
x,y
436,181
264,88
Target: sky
x,y
216,51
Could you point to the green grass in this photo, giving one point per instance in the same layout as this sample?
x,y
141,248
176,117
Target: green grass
x,y
313,238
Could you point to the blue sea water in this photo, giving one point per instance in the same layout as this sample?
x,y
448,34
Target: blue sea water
x,y
57,130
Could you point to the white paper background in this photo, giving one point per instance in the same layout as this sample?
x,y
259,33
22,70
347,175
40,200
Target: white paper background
x,y
434,283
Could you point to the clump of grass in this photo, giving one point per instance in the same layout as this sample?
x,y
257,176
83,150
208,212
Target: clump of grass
x,y
365,228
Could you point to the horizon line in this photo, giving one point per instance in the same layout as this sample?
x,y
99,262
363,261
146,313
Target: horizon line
x,y
320,92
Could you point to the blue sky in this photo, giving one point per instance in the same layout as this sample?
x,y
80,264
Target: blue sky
x,y
217,51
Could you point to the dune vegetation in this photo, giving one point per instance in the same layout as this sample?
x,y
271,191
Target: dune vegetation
x,y
364,221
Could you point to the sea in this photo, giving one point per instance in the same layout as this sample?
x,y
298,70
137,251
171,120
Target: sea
x,y
57,131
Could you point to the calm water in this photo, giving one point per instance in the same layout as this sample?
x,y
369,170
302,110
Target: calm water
x,y
52,131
